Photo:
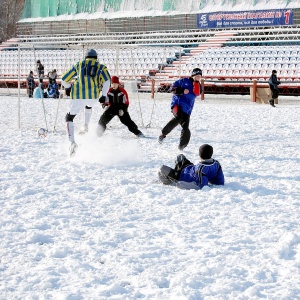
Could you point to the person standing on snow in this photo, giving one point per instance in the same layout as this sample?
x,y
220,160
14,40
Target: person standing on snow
x,y
40,70
85,91
52,75
39,92
116,104
30,84
185,92
273,84
187,175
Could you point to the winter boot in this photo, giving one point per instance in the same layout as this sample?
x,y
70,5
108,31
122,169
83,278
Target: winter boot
x,y
167,175
272,102
140,135
73,149
161,138
84,129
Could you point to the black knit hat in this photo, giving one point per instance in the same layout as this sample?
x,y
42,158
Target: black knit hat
x,y
274,72
196,71
91,53
206,151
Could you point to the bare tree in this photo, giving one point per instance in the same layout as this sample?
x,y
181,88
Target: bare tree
x,y
10,13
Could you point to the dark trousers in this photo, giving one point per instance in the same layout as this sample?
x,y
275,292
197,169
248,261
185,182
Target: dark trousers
x,y
184,120
111,112
274,94
168,175
30,91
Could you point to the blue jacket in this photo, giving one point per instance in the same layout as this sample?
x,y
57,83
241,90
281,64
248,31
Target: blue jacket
x,y
185,101
38,92
52,90
273,82
204,173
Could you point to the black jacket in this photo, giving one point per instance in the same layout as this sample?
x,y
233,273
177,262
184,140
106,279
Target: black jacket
x,y
30,81
273,82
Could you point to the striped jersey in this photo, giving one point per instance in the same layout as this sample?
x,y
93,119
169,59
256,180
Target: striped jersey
x,y
89,74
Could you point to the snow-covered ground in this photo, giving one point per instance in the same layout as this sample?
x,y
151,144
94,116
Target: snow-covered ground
x,y
100,225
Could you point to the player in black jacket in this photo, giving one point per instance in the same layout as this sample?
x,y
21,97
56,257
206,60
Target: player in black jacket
x,y
116,104
273,83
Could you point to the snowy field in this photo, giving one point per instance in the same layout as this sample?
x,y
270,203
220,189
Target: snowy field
x,y
100,225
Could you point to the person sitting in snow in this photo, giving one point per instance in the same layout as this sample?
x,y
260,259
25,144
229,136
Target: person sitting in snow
x,y
116,104
52,90
39,92
188,175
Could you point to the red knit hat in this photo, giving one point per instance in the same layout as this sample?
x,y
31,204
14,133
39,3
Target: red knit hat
x,y
115,79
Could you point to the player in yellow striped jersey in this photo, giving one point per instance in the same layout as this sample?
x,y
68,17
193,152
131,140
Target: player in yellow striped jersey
x,y
88,76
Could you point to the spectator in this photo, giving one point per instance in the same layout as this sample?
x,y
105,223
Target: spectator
x,y
116,104
30,84
39,92
40,71
90,75
52,90
187,175
185,92
273,84
52,75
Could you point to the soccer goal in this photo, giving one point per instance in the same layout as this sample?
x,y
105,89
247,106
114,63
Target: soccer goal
x,y
146,72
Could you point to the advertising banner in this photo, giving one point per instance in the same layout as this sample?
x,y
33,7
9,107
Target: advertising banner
x,y
258,18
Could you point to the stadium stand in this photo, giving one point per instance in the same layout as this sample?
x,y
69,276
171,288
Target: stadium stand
x,y
158,48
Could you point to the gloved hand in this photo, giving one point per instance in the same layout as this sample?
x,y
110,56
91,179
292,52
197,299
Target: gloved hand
x,y
121,112
102,99
177,90
68,91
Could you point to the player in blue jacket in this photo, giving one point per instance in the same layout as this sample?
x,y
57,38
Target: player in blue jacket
x,y
187,175
185,92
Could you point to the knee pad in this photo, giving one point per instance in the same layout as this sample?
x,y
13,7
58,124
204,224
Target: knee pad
x,y
69,118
